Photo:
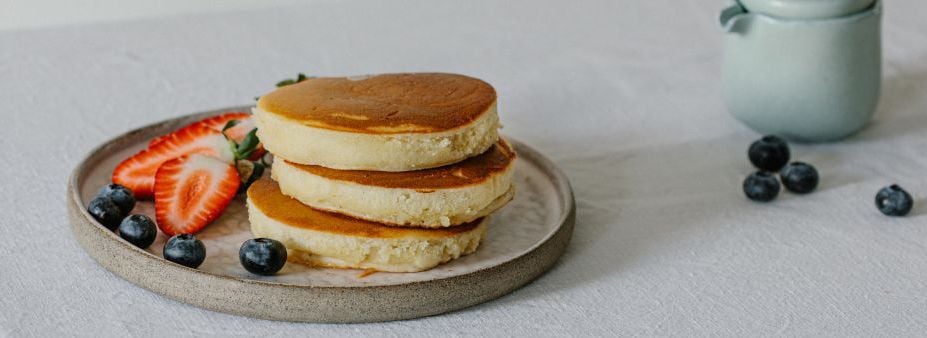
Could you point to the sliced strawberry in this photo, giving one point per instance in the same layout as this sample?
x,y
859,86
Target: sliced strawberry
x,y
191,192
237,133
138,172
240,131
215,123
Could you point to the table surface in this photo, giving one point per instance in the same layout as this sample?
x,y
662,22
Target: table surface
x,y
623,96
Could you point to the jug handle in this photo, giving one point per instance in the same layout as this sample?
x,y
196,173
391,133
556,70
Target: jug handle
x,y
730,16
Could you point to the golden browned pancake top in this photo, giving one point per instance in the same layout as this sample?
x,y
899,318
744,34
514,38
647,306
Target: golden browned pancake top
x,y
471,171
383,104
265,195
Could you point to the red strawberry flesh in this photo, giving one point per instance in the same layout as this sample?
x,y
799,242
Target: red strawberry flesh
x,y
138,172
215,123
236,133
191,192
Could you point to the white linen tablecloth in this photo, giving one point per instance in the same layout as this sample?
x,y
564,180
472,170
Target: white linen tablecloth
x,y
623,95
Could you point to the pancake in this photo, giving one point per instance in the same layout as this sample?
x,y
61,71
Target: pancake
x,y
390,122
429,198
332,240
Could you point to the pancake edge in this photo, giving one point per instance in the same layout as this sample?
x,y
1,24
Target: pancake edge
x,y
303,144
399,254
434,208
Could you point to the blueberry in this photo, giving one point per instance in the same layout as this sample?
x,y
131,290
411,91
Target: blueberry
x,y
894,201
138,230
761,186
120,195
799,177
262,256
186,250
106,212
769,153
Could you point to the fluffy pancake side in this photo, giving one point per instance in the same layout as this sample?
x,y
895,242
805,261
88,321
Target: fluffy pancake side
x,y
392,122
430,198
333,240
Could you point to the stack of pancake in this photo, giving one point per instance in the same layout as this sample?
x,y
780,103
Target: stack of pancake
x,y
394,172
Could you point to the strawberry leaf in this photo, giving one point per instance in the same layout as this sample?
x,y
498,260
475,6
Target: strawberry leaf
x,y
286,82
229,125
299,78
248,145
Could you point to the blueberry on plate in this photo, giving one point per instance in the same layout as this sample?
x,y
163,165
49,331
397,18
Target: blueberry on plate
x,y
121,196
138,230
106,212
894,201
186,250
262,256
761,186
799,177
769,153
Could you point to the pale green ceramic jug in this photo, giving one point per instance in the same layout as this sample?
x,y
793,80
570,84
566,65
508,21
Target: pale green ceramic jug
x,y
808,70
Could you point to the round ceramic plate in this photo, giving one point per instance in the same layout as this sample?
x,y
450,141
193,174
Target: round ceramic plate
x,y
524,240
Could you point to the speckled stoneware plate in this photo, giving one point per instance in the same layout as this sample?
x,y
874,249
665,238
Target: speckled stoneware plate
x,y
524,240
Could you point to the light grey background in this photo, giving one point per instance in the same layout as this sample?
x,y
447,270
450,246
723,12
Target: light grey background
x,y
623,95
27,14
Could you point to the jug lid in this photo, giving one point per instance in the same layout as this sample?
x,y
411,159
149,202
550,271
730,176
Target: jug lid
x,y
806,9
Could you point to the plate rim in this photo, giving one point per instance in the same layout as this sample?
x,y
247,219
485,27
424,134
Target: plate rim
x,y
83,227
